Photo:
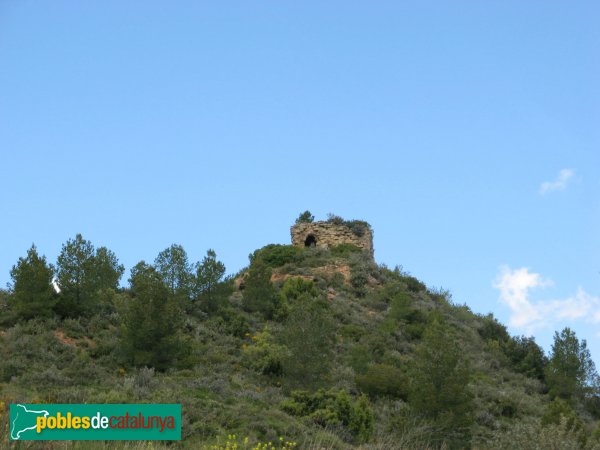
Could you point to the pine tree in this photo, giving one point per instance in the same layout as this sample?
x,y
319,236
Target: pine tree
x,y
308,334
571,373
305,217
152,321
439,390
32,291
259,293
207,283
173,266
83,273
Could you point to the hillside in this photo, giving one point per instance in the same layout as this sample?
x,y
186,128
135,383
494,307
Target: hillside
x,y
318,346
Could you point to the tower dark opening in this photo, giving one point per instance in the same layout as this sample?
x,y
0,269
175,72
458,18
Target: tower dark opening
x,y
310,241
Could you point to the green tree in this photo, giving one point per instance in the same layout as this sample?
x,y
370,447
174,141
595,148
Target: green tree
x,y
208,283
106,271
32,291
152,320
295,290
83,273
74,267
173,266
259,293
439,390
305,217
526,356
571,373
308,333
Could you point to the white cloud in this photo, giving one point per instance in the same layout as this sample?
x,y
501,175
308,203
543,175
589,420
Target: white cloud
x,y
559,184
515,286
581,305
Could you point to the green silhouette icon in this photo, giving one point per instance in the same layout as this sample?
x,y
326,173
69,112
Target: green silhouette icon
x,y
24,420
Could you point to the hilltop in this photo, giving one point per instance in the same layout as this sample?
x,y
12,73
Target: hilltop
x,y
313,342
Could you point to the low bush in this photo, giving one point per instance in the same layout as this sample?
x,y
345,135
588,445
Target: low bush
x,y
382,380
413,284
234,442
276,255
411,319
491,329
264,355
358,227
362,268
333,408
345,250
231,321
532,436
360,358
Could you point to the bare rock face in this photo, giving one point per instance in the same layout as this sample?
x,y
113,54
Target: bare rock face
x,y
328,234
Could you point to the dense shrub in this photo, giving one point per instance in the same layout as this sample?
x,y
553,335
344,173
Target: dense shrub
x,y
232,321
413,284
264,355
276,255
352,331
531,436
559,411
382,380
296,288
335,219
407,281
403,312
362,269
358,227
360,358
526,356
333,408
345,250
491,329
592,405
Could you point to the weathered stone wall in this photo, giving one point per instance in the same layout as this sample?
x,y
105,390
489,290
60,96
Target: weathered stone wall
x,y
327,234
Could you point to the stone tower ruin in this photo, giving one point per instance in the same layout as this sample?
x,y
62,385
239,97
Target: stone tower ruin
x,y
328,234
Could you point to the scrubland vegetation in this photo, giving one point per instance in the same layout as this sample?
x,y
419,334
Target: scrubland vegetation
x,y
305,348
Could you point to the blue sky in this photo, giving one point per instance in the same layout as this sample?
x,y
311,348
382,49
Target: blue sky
x,y
466,133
